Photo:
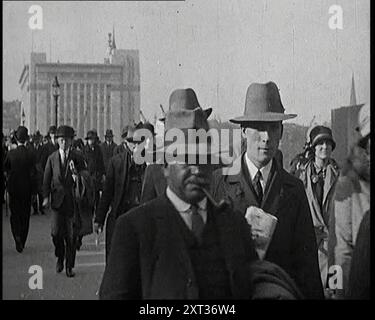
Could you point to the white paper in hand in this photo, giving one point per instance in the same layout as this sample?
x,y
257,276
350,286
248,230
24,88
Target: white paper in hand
x,y
263,226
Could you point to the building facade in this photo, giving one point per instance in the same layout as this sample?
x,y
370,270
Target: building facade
x,y
344,123
92,96
11,115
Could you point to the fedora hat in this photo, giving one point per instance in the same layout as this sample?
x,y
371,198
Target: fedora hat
x,y
22,134
91,134
185,99
64,132
109,133
263,103
185,114
321,133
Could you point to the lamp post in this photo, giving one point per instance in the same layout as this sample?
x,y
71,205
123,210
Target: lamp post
x,y
23,117
56,94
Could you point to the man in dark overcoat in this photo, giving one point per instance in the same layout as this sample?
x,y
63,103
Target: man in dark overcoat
x,y
121,192
60,176
108,147
19,166
95,164
260,182
180,245
123,146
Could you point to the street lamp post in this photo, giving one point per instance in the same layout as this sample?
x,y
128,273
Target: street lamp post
x,y
56,94
23,117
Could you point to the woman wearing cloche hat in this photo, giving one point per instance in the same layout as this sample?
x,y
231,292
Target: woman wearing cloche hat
x,y
319,175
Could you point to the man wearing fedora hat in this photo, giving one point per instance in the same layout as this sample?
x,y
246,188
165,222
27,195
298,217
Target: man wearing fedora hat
x,y
121,190
180,245
50,147
19,166
183,244
94,159
264,189
95,165
108,147
60,176
154,183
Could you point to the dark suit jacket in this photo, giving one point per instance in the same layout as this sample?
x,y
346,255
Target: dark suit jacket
x,y
20,167
149,260
59,182
154,182
107,151
116,183
293,246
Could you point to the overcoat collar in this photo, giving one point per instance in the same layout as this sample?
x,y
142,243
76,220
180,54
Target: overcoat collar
x,y
276,192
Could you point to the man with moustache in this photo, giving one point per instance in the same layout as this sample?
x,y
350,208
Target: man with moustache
x,y
181,245
263,187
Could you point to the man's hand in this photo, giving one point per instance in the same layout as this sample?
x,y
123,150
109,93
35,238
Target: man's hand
x,y
98,227
45,202
263,225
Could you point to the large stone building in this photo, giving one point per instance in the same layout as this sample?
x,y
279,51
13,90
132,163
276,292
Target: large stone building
x,y
11,115
92,96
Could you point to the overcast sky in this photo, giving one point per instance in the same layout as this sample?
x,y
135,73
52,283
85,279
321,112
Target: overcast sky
x,y
217,47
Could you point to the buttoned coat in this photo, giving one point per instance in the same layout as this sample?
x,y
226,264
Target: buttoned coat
x,y
293,245
59,182
149,259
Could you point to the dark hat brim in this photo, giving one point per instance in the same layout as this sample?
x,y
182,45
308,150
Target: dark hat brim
x,y
263,117
216,158
207,112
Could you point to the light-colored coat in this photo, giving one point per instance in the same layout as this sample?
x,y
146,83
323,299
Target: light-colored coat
x,y
321,228
352,200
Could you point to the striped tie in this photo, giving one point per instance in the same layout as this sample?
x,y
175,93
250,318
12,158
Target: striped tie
x,y
258,187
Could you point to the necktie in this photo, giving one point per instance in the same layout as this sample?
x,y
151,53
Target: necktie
x,y
258,187
197,223
63,158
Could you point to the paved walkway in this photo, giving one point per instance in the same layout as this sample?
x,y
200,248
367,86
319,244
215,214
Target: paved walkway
x,y
39,250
